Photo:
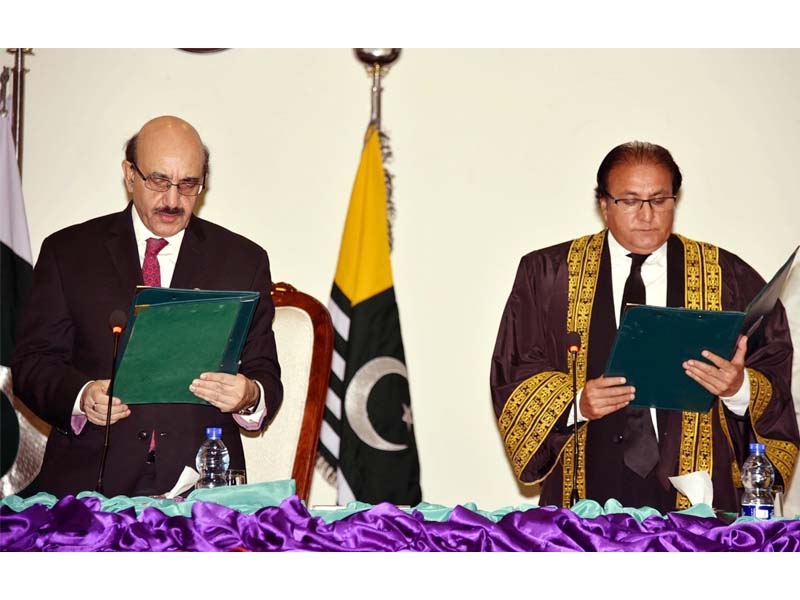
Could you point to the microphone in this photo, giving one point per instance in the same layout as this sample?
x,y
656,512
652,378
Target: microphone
x,y
573,342
574,346
117,322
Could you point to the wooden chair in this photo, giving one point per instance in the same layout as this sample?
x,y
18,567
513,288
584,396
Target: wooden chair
x,y
287,449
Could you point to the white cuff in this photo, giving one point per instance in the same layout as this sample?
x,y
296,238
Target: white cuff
x,y
581,418
76,408
739,402
259,412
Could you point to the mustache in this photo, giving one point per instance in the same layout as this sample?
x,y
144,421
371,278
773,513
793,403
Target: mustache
x,y
166,210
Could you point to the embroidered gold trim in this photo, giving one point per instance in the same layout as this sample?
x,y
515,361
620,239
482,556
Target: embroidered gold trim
x,y
760,394
530,414
537,420
713,277
568,462
534,407
686,452
703,290
704,456
692,290
583,264
735,474
781,453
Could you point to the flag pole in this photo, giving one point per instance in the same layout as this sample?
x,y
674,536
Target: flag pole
x,y
377,62
3,85
18,101
372,451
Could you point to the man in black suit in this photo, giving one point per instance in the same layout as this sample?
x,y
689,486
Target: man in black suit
x,y
62,363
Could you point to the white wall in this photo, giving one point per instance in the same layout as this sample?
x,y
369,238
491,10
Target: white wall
x,y
495,155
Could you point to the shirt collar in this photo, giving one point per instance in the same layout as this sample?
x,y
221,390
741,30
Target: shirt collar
x,y
141,232
619,253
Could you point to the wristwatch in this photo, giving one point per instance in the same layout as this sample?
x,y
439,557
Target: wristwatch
x,y
252,409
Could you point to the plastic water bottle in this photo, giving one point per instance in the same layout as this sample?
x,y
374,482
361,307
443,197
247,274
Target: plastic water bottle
x,y
757,477
212,460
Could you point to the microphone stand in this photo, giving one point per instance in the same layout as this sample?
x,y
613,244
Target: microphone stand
x,y
574,497
117,331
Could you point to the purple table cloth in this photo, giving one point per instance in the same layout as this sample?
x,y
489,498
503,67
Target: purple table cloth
x,y
81,525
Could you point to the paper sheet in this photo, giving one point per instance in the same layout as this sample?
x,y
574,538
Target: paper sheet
x,y
186,481
695,486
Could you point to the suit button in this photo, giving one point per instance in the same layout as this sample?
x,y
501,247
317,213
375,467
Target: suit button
x,y
142,435
617,439
162,434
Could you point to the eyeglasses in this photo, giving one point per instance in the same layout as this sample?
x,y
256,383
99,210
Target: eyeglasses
x,y
157,183
660,204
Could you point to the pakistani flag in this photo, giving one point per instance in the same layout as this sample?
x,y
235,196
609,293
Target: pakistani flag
x,y
367,437
16,246
22,434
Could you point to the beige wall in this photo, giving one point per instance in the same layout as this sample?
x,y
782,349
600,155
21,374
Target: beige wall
x,y
495,155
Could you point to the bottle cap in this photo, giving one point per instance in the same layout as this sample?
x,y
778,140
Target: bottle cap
x,y
757,448
215,433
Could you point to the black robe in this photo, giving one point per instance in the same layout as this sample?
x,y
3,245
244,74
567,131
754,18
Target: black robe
x,y
568,287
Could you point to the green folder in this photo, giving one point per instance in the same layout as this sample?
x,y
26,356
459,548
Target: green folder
x,y
174,335
653,342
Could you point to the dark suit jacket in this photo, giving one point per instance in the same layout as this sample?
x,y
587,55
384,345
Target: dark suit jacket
x,y
85,272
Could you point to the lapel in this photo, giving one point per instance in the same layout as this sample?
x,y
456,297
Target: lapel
x,y
121,245
190,257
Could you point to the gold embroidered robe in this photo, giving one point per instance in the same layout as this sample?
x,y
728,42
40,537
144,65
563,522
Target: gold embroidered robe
x,y
567,287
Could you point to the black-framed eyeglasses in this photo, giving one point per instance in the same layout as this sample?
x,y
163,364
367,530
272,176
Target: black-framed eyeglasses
x,y
660,204
159,183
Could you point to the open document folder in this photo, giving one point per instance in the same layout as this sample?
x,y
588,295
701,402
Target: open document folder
x,y
174,335
653,342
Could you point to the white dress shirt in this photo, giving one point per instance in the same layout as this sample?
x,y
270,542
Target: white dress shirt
x,y
654,276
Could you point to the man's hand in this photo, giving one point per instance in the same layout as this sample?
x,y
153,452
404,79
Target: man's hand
x,y
723,378
229,393
604,395
94,403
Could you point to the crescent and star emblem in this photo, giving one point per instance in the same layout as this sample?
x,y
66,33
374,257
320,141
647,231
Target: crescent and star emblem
x,y
357,395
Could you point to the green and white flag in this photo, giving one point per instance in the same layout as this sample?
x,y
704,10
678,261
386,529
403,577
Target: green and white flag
x,y
21,433
367,438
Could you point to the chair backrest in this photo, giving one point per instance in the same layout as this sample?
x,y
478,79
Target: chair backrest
x,y
287,448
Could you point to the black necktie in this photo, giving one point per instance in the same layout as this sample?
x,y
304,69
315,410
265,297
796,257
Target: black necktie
x,y
641,447
634,292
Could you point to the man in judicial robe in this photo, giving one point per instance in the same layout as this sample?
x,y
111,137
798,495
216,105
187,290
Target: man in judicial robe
x,y
628,453
62,363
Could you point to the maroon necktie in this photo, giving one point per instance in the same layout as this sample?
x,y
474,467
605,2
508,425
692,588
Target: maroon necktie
x,y
151,272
